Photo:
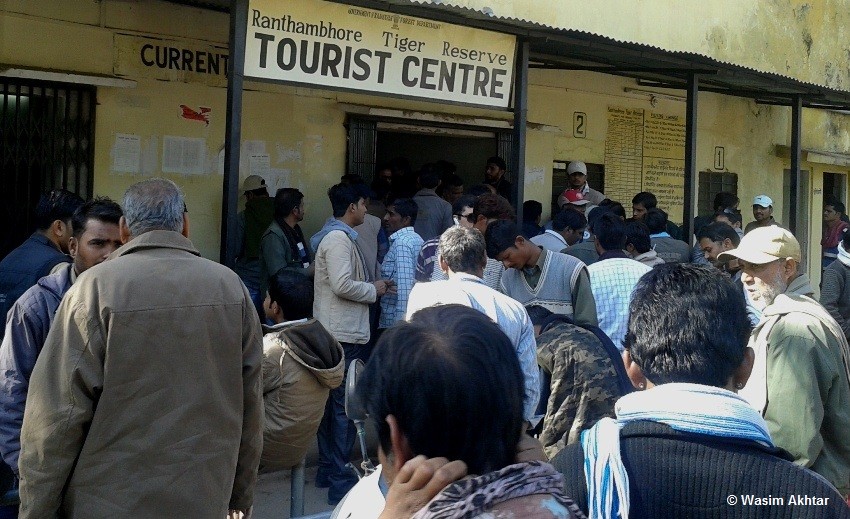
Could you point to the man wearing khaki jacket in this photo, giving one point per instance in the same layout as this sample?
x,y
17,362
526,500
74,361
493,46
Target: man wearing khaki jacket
x,y
343,292
146,400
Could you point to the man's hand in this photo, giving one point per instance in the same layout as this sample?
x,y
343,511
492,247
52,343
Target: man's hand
x,y
239,514
418,481
380,287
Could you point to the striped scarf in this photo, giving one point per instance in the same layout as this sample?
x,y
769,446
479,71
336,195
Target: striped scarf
x,y
690,408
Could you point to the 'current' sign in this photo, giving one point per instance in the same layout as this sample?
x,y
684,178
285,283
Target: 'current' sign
x,y
319,43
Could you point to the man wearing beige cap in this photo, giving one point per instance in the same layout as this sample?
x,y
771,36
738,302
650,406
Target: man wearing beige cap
x,y
762,212
800,380
577,173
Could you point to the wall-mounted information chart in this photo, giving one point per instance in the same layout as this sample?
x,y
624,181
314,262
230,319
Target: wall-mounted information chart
x,y
624,153
664,161
645,151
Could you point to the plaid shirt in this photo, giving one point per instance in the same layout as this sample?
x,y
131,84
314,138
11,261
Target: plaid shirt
x,y
400,266
612,282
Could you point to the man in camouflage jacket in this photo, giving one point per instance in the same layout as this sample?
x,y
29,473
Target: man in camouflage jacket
x,y
585,383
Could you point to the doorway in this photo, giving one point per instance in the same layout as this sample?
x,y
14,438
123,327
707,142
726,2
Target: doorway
x,y
46,142
372,142
467,151
835,188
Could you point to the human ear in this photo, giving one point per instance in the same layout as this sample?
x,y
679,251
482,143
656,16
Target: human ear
x,y
399,446
633,371
743,372
124,233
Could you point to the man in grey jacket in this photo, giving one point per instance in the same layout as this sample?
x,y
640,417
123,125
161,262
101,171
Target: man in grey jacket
x,y
434,214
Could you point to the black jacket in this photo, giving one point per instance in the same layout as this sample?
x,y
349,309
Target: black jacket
x,y
674,474
23,267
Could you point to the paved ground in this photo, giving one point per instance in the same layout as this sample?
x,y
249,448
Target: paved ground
x,y
272,498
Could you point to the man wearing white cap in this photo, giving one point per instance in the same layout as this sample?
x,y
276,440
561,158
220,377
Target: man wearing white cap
x,y
577,173
762,212
801,375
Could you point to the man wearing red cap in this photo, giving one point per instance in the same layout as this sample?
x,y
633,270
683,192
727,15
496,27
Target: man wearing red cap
x,y
573,199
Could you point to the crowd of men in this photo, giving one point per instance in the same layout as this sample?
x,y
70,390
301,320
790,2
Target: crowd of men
x,y
137,377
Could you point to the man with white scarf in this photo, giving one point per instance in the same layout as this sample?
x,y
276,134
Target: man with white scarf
x,y
801,376
685,444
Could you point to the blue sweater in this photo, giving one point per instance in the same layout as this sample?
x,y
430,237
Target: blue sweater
x,y
26,330
24,266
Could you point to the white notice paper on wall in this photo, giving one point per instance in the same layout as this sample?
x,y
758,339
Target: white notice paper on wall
x,y
258,164
184,155
126,153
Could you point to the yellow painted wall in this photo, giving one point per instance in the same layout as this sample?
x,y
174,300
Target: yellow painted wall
x,y
806,40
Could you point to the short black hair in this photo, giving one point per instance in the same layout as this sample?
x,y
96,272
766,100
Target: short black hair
x,y
462,203
734,217
610,232
836,205
58,204
687,323
293,292
406,207
595,214
531,210
492,206
260,191
618,209
724,200
453,381
102,209
429,176
478,190
342,196
351,178
656,220
646,199
500,236
637,235
285,200
719,231
538,314
568,218
498,161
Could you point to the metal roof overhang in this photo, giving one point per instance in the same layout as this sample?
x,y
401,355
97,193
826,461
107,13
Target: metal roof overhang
x,y
569,49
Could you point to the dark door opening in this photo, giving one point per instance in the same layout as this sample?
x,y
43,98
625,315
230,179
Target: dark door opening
x,y
467,153
46,142
372,142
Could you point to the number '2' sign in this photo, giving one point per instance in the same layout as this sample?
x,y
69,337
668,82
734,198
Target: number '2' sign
x,y
579,125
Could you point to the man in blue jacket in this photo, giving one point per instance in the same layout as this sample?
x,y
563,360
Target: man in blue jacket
x,y
95,236
41,252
